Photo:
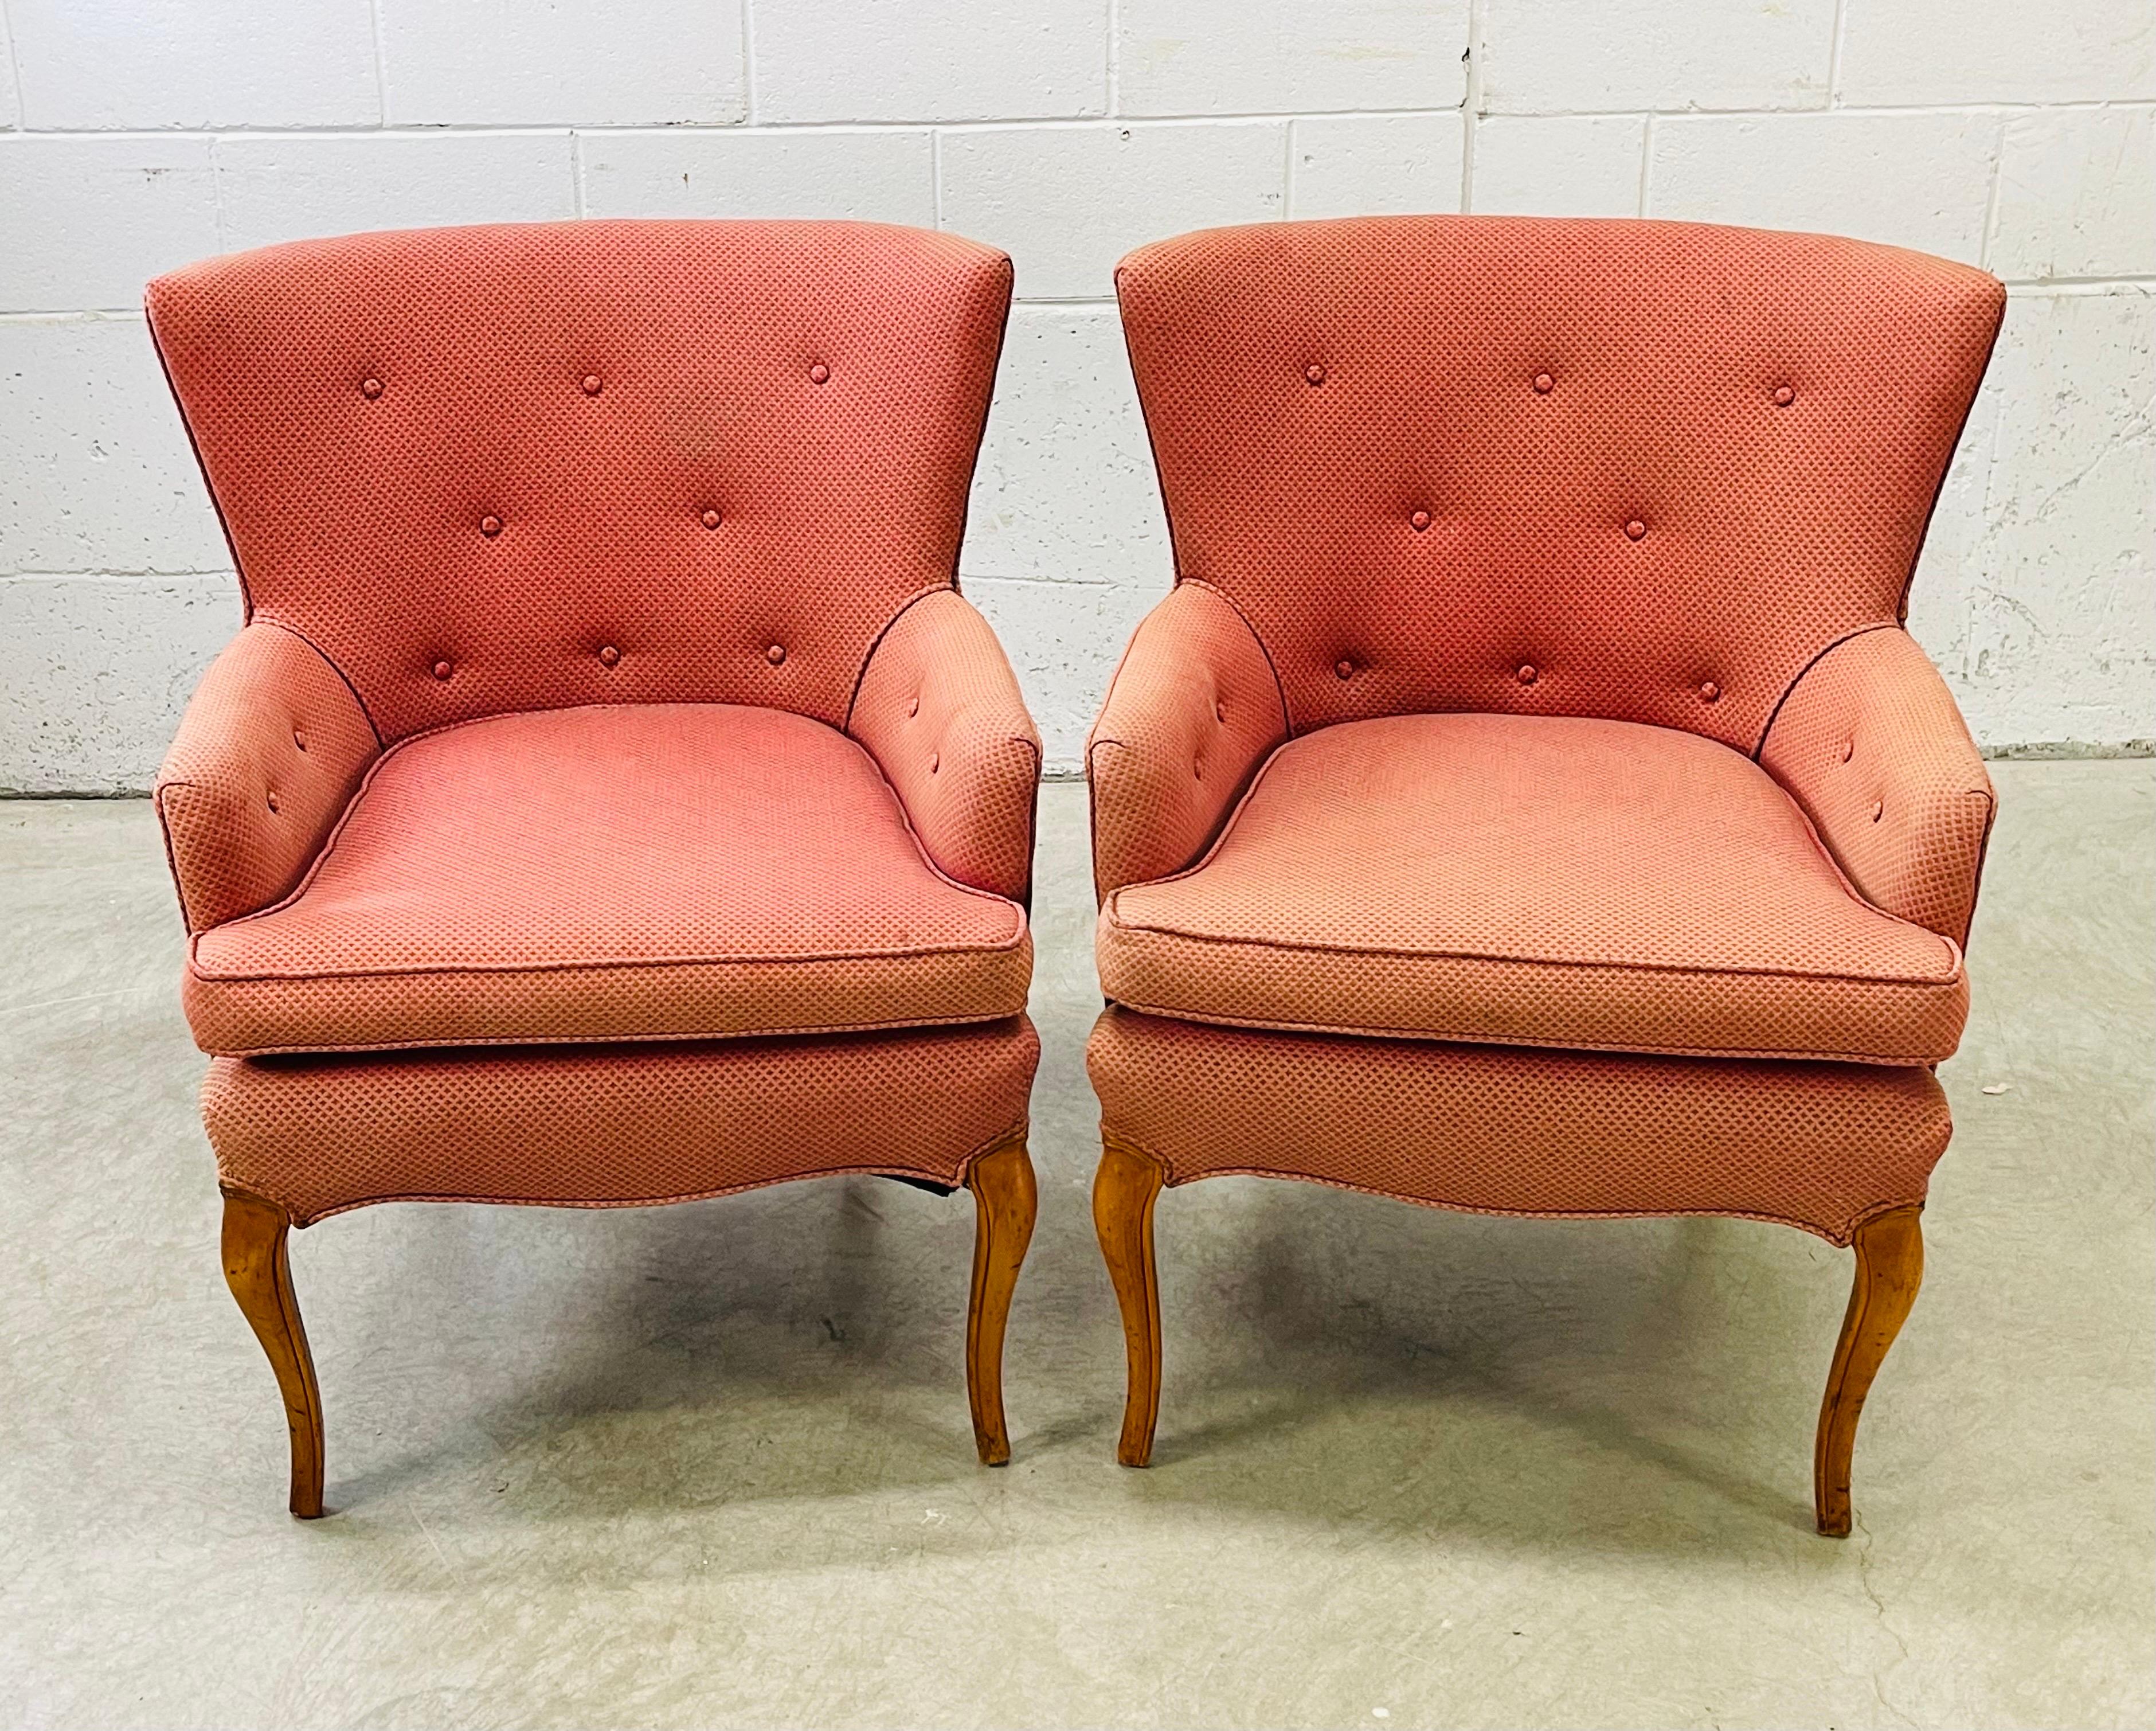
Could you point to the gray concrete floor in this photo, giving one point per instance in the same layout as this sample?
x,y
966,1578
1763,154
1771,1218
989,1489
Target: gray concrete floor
x,y
710,1464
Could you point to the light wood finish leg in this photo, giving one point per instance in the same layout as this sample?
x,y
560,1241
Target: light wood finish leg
x,y
260,1276
1005,1197
1890,1267
1124,1191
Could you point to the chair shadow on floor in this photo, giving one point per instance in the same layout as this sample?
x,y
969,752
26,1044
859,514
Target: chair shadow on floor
x,y
1332,1359
1643,1384
801,1342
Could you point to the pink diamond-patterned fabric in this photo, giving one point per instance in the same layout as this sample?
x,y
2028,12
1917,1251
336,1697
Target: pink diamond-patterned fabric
x,y
622,871
1528,798
606,1127
1533,880
1508,1130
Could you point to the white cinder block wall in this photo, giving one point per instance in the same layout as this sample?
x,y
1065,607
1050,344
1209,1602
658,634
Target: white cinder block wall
x,y
135,135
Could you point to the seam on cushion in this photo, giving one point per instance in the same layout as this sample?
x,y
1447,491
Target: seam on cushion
x,y
1145,419
876,642
1849,888
1946,468
1773,714
366,714
1228,829
366,781
906,818
172,859
1009,275
337,832
1094,739
149,294
1990,797
1985,793
1892,1061
164,817
433,1043
1279,689
758,1184
1032,824
965,497
623,965
1093,807
1709,970
1814,1228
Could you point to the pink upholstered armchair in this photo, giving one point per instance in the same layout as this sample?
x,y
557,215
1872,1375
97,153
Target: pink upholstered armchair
x,y
610,799
1528,800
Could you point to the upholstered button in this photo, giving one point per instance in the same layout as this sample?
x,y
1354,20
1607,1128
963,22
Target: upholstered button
x,y
1544,384
1784,395
1344,667
1635,529
711,520
1878,807
610,655
935,762
1848,749
1198,770
1527,675
299,740
912,708
591,384
489,526
441,669
1220,711
775,653
1419,521
1315,373
370,387
820,374
270,799
1711,692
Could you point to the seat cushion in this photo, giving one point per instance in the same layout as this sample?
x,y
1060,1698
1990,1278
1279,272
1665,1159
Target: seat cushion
x,y
661,871
1533,880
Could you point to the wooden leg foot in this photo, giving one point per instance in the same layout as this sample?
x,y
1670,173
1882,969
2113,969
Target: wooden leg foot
x,y
1890,1267
1004,1197
1124,1191
260,1276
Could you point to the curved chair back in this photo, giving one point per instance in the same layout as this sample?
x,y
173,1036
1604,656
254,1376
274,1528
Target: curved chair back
x,y
528,466
1640,470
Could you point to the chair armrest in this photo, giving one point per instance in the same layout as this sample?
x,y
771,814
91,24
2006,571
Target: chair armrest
x,y
1870,743
272,747
1193,711
939,710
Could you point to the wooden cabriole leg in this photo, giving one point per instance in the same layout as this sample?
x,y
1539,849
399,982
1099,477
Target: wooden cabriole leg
x,y
1124,1191
1004,1199
260,1276
1890,1267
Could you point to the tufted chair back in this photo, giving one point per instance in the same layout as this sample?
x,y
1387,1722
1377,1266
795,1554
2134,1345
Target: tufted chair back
x,y
522,467
1640,470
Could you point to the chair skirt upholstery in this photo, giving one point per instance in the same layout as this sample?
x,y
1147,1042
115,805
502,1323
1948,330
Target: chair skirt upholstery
x,y
1495,1129
615,1126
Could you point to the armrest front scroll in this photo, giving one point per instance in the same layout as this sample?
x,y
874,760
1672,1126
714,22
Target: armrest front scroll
x,y
1870,743
1194,710
940,711
271,749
